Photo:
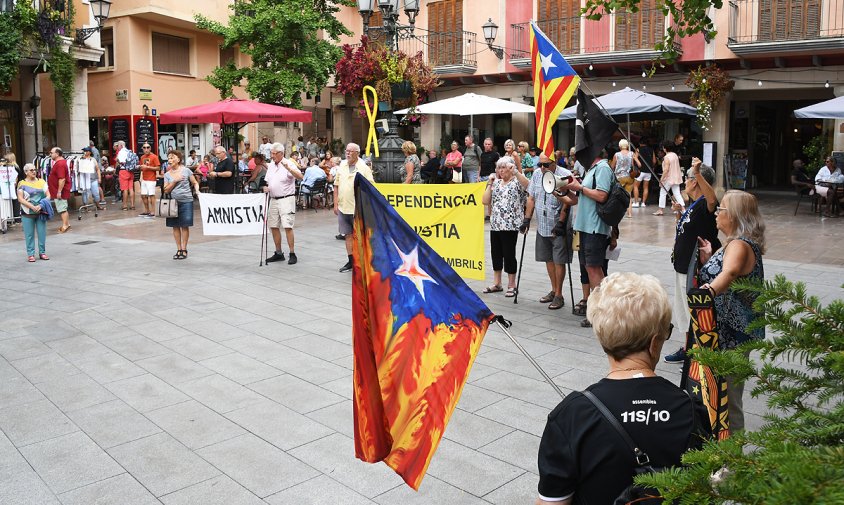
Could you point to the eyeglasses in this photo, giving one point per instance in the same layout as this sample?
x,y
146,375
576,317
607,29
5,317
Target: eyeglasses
x,y
720,209
544,164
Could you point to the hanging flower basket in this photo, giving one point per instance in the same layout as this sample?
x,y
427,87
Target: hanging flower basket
x,y
709,86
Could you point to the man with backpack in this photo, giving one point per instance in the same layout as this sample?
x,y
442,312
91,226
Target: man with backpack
x,y
594,232
471,161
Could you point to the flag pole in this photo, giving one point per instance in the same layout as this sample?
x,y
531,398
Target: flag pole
x,y
626,137
264,239
504,324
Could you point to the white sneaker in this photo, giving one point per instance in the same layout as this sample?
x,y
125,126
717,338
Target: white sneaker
x,y
635,205
643,205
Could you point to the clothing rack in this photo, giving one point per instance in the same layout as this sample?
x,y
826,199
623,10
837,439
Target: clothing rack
x,y
8,179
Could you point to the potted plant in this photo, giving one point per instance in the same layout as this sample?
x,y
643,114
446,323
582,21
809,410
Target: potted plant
x,y
709,86
399,79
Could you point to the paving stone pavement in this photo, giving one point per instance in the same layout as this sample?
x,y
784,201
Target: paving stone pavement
x,y
130,378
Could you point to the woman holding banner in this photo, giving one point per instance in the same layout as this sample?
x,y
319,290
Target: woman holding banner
x,y
506,194
177,183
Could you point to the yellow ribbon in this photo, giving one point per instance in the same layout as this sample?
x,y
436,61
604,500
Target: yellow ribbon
x,y
371,113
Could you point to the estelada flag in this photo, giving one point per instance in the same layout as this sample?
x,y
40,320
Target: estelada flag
x,y
417,328
699,380
554,81
592,131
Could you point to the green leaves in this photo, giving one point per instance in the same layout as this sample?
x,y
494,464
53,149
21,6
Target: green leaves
x,y
281,37
798,455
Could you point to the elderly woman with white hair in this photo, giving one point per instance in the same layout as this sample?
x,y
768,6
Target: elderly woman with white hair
x,y
582,459
506,194
622,163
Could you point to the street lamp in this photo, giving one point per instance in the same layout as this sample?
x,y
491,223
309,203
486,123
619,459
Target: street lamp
x,y
490,32
393,31
101,9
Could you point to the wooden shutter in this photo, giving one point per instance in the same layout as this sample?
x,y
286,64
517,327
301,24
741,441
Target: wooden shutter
x,y
445,22
639,30
789,20
170,54
560,20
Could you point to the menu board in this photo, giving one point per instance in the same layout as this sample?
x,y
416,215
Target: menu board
x,y
120,130
144,133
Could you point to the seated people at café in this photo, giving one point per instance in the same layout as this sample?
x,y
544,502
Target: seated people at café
x,y
828,174
312,174
582,459
800,178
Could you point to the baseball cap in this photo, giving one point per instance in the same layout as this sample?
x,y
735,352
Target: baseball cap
x,y
86,149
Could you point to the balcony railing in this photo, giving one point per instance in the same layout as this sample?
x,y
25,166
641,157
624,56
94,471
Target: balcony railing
x,y
564,33
636,35
446,52
796,22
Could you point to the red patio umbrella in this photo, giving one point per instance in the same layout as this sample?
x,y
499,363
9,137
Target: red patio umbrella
x,y
234,111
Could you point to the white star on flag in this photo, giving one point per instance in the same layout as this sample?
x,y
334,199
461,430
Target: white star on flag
x,y
546,62
410,268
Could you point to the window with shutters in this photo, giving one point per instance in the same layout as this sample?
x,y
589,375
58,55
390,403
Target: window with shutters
x,y
227,55
107,42
639,30
445,39
170,54
789,20
7,5
560,20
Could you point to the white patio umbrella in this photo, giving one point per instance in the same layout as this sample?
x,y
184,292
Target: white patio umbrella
x,y
830,109
638,104
470,104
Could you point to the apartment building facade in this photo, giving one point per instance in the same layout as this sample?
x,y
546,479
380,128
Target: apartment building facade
x,y
782,55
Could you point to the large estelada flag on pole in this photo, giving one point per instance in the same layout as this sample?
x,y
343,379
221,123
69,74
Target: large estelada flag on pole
x,y
554,81
417,328
699,380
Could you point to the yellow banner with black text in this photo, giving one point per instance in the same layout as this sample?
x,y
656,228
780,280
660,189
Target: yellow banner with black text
x,y
449,217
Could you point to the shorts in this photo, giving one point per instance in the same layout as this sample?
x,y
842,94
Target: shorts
x,y
593,249
626,183
282,212
470,176
147,188
644,176
185,219
346,223
60,205
127,180
822,191
552,249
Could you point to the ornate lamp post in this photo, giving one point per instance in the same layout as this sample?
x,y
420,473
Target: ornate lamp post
x,y
391,157
101,10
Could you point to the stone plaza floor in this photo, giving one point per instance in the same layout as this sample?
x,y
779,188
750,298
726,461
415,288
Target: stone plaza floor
x,y
130,378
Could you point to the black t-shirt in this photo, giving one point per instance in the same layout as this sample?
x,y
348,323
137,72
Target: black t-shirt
x,y
430,168
698,222
800,175
224,185
488,159
582,454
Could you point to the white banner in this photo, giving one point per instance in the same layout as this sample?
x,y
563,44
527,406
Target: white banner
x,y
232,214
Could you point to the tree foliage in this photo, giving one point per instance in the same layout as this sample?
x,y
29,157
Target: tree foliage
x,y
798,455
292,43
689,17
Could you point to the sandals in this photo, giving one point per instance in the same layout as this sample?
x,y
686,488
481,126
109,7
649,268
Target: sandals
x,y
495,288
31,259
180,255
558,303
43,256
511,292
579,309
64,230
658,213
547,298
585,323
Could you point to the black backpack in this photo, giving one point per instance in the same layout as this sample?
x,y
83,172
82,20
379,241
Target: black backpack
x,y
613,209
633,493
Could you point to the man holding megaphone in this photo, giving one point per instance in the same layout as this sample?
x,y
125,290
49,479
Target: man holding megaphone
x,y
549,199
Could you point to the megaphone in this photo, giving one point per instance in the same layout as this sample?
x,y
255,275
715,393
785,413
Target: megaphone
x,y
552,182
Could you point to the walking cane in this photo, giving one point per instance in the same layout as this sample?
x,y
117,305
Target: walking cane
x,y
264,239
571,287
521,260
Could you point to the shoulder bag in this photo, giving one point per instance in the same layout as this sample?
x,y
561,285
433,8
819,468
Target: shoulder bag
x,y
167,206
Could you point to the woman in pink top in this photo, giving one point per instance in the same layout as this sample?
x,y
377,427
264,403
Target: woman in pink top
x,y
672,177
454,161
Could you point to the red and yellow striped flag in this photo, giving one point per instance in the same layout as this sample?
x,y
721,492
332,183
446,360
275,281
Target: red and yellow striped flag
x,y
554,81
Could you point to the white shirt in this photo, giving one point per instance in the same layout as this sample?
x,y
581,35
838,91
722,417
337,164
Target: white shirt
x,y
87,165
123,155
824,175
265,150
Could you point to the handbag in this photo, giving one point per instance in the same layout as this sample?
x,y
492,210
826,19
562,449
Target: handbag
x,y
613,209
168,207
457,175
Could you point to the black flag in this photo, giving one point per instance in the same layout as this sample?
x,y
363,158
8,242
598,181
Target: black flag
x,y
593,130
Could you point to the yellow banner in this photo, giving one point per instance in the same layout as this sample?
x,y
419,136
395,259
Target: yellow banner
x,y
449,217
